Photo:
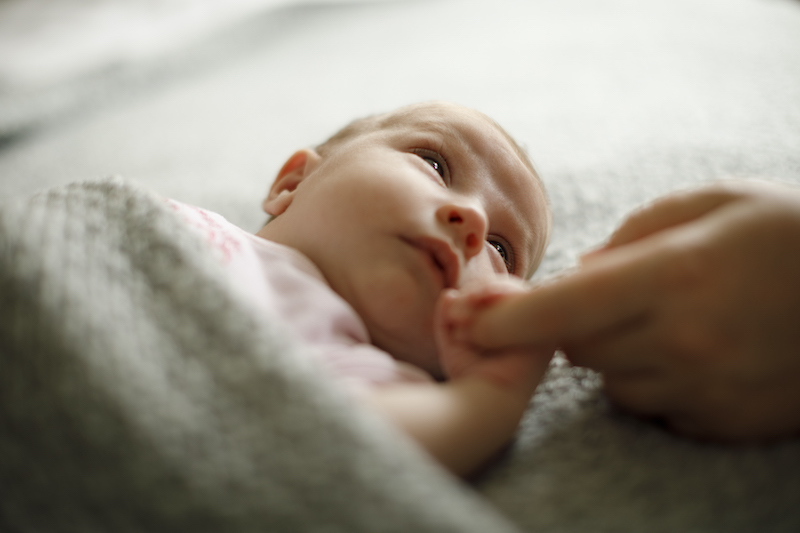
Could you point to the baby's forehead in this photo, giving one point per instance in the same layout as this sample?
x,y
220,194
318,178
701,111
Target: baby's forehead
x,y
451,123
445,119
476,131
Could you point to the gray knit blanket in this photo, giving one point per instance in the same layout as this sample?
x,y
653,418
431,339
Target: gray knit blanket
x,y
138,393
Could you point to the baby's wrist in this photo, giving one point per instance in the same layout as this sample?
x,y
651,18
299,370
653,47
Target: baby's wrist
x,y
510,383
503,394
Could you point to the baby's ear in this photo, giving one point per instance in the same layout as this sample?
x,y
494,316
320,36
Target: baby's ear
x,y
294,171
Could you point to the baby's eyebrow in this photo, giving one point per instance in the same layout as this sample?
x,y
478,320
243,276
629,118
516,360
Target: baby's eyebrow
x,y
528,218
537,243
527,254
432,123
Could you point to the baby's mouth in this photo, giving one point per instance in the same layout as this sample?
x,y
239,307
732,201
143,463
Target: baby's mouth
x,y
441,255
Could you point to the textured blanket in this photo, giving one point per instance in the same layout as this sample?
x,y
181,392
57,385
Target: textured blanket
x,y
137,394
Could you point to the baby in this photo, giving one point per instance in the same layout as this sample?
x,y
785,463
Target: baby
x,y
371,235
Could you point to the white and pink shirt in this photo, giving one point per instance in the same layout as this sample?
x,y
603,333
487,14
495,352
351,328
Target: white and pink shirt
x,y
282,281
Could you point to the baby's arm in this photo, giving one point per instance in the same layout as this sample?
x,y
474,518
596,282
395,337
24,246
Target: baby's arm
x,y
464,421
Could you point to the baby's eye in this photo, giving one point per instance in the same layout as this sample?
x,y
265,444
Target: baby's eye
x,y
504,250
435,164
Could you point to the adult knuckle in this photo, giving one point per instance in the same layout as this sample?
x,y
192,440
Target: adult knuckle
x,y
690,267
694,342
685,338
637,215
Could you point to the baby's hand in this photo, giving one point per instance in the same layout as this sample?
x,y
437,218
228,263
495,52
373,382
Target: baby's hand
x,y
510,368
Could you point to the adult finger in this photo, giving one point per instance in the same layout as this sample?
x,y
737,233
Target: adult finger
x,y
614,289
672,210
633,347
652,393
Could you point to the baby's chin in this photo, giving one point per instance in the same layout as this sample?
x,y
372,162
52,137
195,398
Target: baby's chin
x,y
401,323
421,352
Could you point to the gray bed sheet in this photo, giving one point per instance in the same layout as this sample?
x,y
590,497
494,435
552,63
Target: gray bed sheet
x,y
616,101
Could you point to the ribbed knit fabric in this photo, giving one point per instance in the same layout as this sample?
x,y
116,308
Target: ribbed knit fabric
x,y
136,393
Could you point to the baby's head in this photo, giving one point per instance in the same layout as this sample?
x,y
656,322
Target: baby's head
x,y
397,207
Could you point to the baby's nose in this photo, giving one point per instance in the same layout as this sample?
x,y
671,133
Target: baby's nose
x,y
467,225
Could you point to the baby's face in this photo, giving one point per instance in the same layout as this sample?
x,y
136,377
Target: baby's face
x,y
436,199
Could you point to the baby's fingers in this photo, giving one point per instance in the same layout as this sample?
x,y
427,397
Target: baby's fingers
x,y
516,368
454,355
463,304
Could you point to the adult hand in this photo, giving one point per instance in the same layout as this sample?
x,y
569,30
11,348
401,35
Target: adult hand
x,y
691,312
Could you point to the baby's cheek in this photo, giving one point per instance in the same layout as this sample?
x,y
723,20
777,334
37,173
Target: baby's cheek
x,y
478,270
481,295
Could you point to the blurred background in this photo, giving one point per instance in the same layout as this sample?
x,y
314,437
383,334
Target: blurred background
x,y
202,100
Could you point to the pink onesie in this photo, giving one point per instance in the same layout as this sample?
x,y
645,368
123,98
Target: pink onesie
x,y
282,281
